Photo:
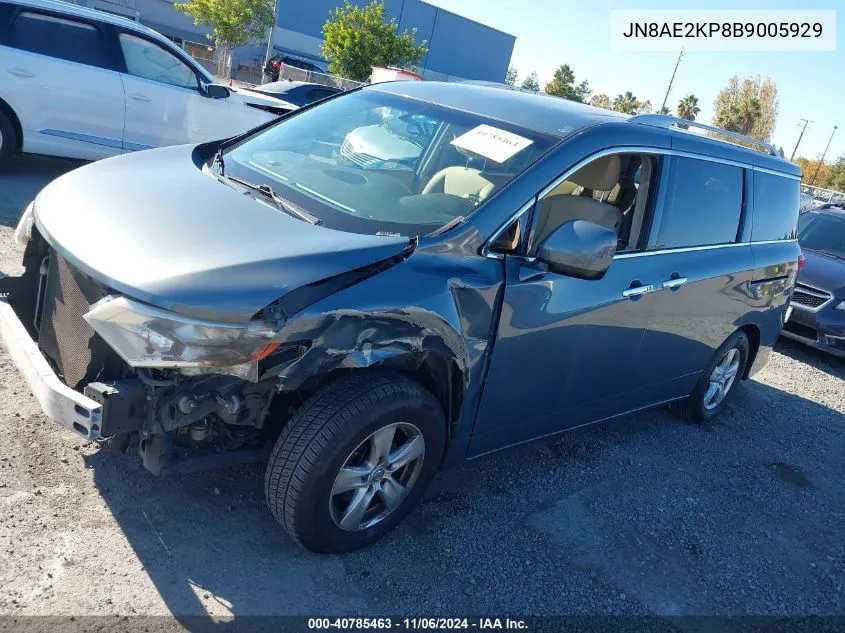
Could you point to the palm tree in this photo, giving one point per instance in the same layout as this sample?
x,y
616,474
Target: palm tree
x,y
750,110
740,116
627,103
688,108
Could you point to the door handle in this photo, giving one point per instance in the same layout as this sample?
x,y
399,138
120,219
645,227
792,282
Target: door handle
x,y
636,291
139,97
20,72
675,282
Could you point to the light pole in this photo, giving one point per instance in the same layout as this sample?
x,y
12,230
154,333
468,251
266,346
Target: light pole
x,y
821,160
269,53
672,80
800,136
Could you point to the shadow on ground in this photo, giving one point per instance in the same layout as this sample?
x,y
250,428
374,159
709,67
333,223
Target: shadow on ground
x,y
645,515
23,178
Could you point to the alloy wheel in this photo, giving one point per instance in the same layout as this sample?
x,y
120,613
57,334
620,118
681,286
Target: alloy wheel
x,y
722,379
377,476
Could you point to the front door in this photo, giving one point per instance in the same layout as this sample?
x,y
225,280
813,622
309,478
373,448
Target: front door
x,y
55,72
164,105
567,349
566,353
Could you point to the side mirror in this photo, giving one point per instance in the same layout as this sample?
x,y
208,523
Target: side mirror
x,y
216,91
579,249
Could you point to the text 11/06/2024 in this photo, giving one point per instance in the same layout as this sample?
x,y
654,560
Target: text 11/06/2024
x,y
418,624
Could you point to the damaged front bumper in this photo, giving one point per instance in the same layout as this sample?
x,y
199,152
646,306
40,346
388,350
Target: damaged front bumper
x,y
68,408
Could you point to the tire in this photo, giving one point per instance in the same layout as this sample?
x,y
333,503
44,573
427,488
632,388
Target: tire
x,y
8,139
336,429
701,406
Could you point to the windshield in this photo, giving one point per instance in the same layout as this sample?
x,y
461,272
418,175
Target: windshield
x,y
370,162
822,233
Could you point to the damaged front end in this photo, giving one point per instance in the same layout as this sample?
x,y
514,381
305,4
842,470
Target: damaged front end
x,y
191,394
112,367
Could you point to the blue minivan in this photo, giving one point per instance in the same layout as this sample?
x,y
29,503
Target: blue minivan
x,y
539,266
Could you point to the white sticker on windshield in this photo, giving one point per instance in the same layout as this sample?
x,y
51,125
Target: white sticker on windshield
x,y
493,143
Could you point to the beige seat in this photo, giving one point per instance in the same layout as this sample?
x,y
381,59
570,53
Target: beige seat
x,y
557,209
460,181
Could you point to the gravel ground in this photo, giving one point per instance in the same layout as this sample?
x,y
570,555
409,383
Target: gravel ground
x,y
645,515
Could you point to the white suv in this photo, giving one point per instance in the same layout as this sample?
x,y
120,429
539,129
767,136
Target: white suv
x,y
82,83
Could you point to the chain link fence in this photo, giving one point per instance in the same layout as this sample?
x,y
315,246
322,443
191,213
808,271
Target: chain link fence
x,y
812,197
251,72
324,79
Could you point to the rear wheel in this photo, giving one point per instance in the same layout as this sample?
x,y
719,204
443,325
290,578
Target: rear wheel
x,y
719,380
354,460
8,139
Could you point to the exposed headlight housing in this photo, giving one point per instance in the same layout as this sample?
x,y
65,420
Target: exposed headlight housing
x,y
23,231
145,336
840,305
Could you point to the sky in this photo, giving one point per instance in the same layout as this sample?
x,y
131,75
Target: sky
x,y
811,85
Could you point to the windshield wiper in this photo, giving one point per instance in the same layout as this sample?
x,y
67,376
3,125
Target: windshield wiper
x,y
451,224
285,205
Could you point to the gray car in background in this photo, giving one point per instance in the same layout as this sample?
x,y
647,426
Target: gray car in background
x,y
818,301
297,93
537,266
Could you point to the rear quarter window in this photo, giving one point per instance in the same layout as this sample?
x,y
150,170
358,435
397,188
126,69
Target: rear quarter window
x,y
59,37
776,203
703,205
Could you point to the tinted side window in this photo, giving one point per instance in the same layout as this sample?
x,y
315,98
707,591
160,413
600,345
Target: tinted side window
x,y
58,37
150,61
703,206
776,203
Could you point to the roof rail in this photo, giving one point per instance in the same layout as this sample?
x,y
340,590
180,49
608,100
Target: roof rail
x,y
665,121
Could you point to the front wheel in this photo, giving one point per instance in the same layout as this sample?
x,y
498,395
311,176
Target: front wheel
x,y
354,460
718,381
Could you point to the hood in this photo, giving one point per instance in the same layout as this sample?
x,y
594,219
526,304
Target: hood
x,y
823,272
378,141
251,97
153,226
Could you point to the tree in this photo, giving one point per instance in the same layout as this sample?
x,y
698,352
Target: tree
x,y
836,176
583,91
749,107
600,100
563,85
357,38
512,76
767,94
644,107
808,168
233,22
688,108
664,110
531,82
626,103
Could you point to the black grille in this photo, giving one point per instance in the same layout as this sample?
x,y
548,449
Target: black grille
x,y
78,354
802,330
810,297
